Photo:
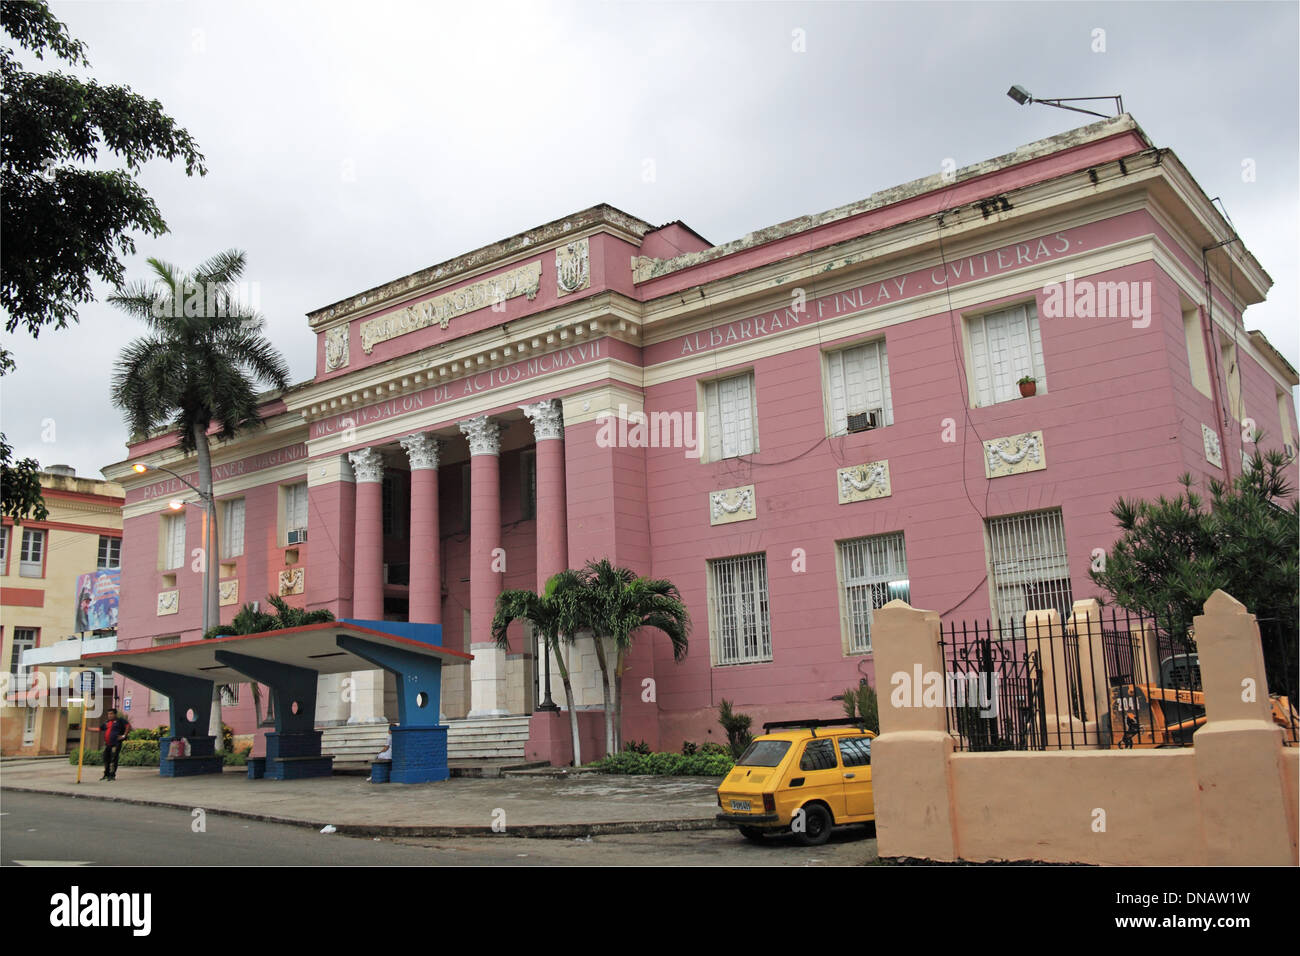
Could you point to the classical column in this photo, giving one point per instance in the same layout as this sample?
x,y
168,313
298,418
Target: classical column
x,y
486,566
368,569
552,516
367,691
426,550
552,511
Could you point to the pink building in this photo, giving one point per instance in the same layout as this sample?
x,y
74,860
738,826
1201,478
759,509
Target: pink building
x,y
794,428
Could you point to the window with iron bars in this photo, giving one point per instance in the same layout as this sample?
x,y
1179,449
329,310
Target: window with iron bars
x,y
873,572
738,602
1029,568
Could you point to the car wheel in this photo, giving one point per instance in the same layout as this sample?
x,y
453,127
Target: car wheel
x,y
752,834
817,825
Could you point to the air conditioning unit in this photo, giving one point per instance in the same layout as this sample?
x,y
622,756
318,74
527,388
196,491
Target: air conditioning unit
x,y
865,421
297,536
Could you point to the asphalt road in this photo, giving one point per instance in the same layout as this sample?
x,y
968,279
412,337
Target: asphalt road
x,y
40,829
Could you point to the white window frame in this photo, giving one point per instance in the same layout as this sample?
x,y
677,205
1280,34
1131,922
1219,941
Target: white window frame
x,y
857,380
1027,553
4,550
294,504
173,541
731,416
110,552
1004,346
17,646
867,566
739,611
31,553
233,511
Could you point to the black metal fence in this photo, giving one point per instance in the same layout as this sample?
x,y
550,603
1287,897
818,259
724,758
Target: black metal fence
x,y
1121,680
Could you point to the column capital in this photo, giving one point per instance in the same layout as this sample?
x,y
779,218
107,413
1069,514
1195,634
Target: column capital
x,y
421,449
368,464
484,435
547,417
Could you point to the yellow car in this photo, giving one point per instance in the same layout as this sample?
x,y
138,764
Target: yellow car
x,y
803,777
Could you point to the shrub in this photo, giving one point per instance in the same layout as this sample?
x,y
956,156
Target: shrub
x,y
665,764
689,749
636,747
863,705
227,738
737,728
712,747
237,758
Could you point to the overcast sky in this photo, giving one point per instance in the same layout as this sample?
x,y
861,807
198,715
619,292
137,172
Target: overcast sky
x,y
352,143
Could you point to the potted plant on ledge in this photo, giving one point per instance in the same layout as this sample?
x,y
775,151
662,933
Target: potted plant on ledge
x,y
1028,386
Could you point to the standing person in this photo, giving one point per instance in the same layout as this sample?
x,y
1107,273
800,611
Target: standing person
x,y
113,728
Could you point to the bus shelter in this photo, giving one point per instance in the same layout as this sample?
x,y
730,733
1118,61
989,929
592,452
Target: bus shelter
x,y
288,662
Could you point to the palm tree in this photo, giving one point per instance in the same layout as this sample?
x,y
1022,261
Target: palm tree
x,y
199,366
620,604
554,613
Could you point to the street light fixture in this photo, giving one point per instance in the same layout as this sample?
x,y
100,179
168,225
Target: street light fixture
x,y
1023,97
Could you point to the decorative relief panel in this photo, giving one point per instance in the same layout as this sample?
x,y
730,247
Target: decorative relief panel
x,y
291,581
228,592
732,504
526,280
1213,453
863,482
169,602
572,267
1014,455
336,348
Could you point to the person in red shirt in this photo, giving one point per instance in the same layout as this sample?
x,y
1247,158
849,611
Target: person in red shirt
x,y
113,728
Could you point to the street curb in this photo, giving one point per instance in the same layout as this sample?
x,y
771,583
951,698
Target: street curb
x,y
534,830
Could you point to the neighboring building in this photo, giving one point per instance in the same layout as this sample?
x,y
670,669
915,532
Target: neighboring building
x,y
41,603
861,431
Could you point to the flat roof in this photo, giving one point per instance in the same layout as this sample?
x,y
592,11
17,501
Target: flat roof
x,y
312,646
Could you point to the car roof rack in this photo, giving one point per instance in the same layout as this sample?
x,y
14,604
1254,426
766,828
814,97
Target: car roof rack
x,y
812,724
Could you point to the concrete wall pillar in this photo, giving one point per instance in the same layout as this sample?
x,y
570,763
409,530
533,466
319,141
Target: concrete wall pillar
x,y
1045,636
486,574
1240,769
909,760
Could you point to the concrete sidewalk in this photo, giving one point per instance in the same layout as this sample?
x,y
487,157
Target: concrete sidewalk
x,y
571,805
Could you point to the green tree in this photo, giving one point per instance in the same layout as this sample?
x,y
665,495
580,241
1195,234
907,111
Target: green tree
x,y
64,221
553,614
861,704
1174,553
198,367
619,603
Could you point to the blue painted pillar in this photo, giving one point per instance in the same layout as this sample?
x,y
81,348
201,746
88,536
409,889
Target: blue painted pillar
x,y
419,742
185,696
293,751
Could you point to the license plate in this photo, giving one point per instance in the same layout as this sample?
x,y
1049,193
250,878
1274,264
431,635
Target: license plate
x,y
740,805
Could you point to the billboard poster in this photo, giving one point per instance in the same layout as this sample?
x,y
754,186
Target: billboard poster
x,y
97,594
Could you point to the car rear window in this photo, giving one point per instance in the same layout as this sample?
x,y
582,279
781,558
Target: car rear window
x,y
764,753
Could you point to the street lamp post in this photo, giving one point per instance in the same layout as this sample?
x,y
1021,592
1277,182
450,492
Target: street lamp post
x,y
210,615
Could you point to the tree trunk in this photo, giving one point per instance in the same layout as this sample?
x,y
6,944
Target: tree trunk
x,y
604,693
568,699
208,553
618,700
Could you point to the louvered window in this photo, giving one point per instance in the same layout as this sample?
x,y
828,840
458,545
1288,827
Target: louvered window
x,y
731,417
1005,347
859,385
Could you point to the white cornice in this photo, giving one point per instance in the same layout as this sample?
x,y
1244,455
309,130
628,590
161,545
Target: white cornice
x,y
528,245
608,314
